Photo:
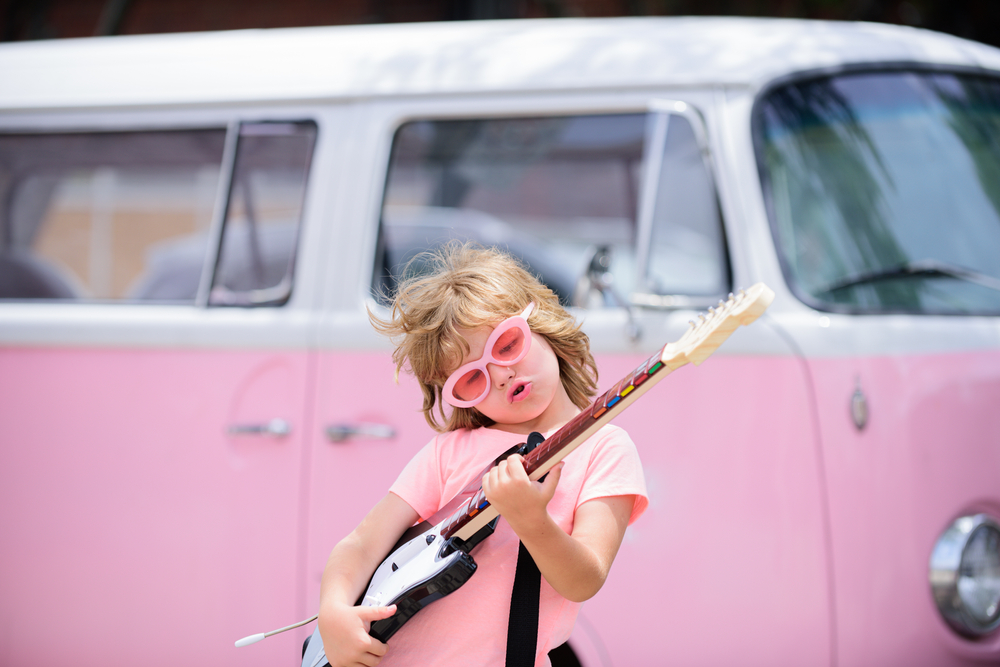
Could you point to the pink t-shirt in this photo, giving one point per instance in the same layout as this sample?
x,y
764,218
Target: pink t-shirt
x,y
469,627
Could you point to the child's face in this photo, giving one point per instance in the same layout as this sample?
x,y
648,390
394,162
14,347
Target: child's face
x,y
527,396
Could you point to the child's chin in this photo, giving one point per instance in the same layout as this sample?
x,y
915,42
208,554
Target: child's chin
x,y
516,417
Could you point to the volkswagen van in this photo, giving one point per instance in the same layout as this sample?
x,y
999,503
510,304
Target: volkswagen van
x,y
194,407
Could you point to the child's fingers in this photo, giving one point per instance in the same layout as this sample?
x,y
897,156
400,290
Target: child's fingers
x,y
369,614
550,483
514,467
491,478
377,649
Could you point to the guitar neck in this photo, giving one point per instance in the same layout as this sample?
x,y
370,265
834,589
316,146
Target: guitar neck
x,y
697,344
475,513
607,406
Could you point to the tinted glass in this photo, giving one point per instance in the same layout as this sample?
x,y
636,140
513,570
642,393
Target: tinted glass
x,y
257,256
883,190
562,194
548,190
687,249
115,216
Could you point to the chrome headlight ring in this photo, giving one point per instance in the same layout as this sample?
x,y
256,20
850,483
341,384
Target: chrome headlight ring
x,y
965,575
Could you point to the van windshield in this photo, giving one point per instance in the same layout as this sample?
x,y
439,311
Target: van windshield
x,y
883,190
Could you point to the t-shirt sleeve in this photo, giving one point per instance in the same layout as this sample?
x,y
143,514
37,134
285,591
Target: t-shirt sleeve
x,y
419,484
614,469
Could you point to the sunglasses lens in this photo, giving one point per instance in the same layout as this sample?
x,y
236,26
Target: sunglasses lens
x,y
470,386
509,345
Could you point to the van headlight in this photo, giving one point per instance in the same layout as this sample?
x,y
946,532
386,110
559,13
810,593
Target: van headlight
x,y
965,575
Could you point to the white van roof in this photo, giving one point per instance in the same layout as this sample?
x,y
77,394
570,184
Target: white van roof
x,y
343,62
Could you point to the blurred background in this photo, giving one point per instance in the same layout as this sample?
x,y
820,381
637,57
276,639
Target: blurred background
x,y
57,19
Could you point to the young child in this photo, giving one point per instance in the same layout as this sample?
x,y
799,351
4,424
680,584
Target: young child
x,y
536,376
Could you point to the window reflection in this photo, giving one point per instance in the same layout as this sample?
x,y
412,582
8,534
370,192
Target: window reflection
x,y
109,216
882,189
687,248
267,194
561,193
548,190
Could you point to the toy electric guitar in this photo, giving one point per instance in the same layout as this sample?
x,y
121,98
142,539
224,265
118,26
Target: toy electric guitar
x,y
433,559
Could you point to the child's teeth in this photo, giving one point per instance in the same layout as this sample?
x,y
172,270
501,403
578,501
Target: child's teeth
x,y
519,390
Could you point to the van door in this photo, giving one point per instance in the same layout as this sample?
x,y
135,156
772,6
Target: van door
x,y
152,434
617,211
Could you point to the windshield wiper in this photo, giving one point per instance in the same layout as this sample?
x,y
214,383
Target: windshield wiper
x,y
921,268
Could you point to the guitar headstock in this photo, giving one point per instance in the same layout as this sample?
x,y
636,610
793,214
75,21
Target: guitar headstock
x,y
711,329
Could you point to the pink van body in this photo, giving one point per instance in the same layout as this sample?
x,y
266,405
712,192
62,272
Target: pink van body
x,y
723,473
140,525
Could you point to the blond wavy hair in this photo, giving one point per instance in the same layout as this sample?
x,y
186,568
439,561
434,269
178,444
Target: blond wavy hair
x,y
465,286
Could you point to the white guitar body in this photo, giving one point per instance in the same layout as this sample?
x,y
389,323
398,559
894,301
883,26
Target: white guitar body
x,y
413,565
422,570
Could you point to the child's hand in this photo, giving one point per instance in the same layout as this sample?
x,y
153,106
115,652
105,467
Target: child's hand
x,y
519,500
344,630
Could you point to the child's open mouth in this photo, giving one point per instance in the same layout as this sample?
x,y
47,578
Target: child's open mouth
x,y
520,392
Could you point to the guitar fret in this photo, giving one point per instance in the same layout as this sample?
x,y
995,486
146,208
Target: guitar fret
x,y
656,362
640,374
599,408
613,395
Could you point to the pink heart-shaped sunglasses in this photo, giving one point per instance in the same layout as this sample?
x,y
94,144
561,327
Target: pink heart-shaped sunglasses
x,y
507,345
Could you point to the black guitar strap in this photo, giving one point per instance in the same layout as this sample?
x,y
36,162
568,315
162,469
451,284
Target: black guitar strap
x,y
522,624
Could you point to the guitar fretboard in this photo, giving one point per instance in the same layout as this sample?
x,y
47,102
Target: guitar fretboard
x,y
568,434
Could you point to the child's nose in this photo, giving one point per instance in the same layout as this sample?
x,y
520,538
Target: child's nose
x,y
500,375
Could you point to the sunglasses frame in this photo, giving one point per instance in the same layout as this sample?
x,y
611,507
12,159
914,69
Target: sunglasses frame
x,y
513,322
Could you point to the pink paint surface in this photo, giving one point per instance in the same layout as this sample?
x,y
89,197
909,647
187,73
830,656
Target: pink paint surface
x,y
732,539
135,526
728,564
930,453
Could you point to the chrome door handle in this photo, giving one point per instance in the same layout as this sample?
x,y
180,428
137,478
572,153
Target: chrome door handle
x,y
276,428
369,431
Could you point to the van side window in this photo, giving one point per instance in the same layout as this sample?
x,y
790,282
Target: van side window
x,y
548,190
560,193
102,216
266,196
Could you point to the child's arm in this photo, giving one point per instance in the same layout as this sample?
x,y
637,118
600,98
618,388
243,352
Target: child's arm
x,y
344,627
576,564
